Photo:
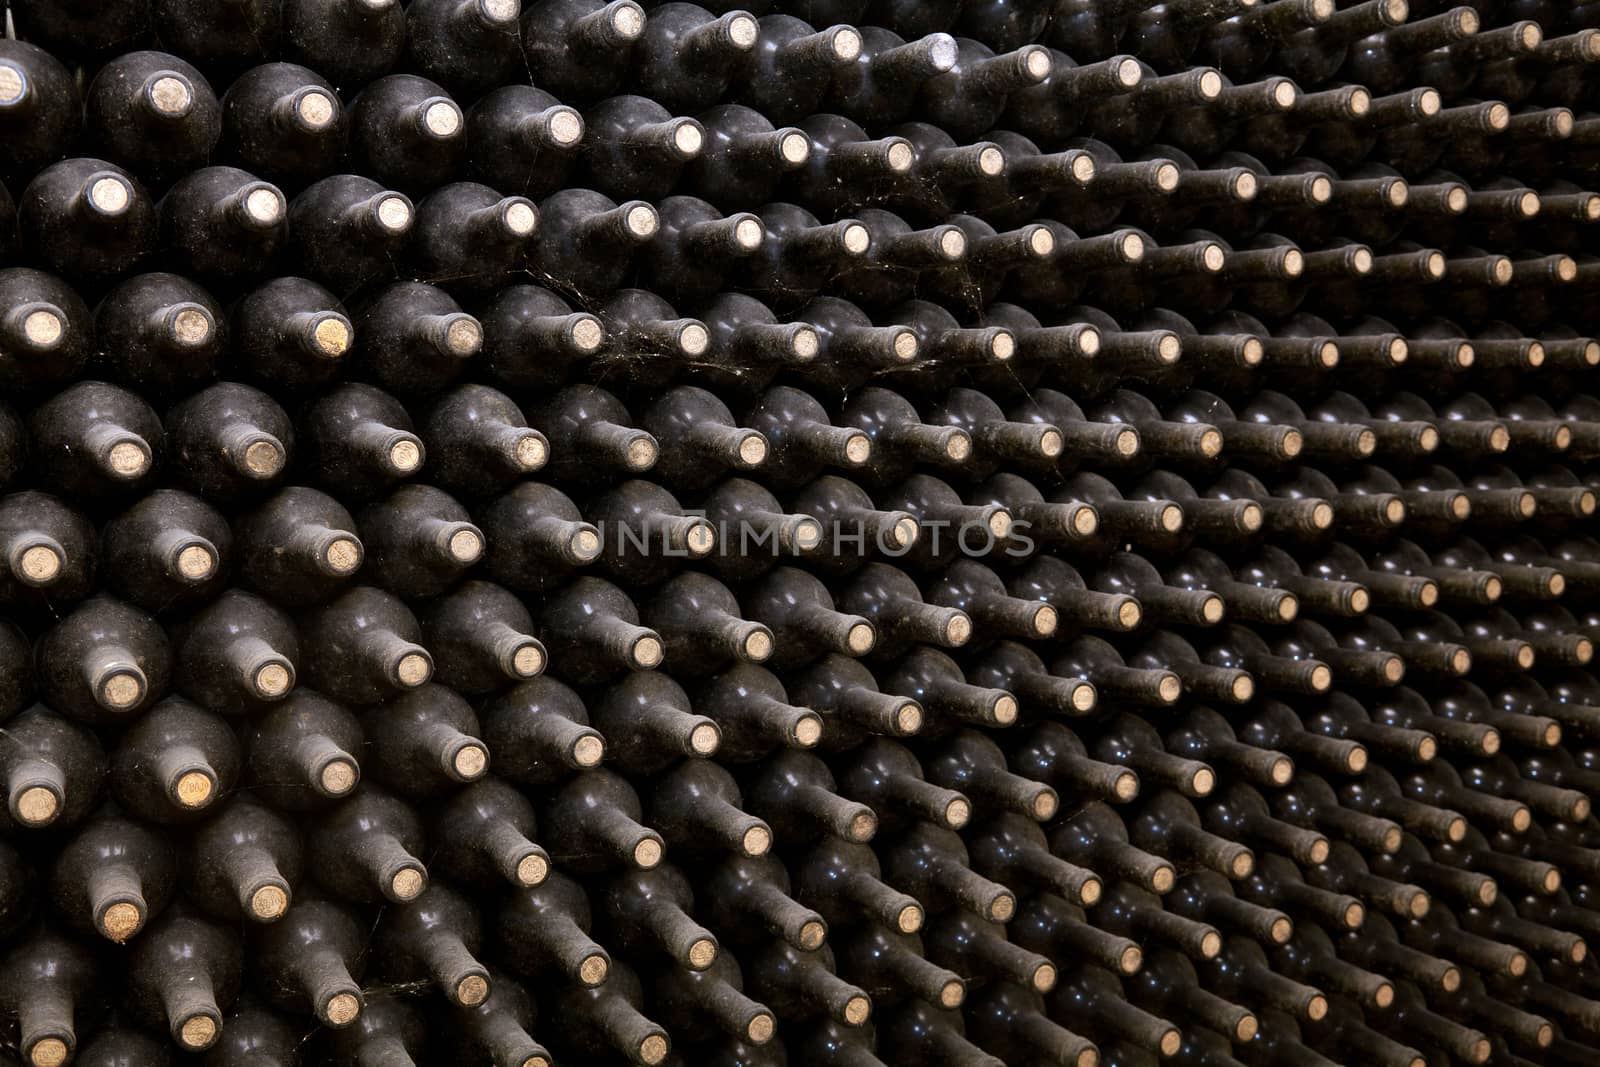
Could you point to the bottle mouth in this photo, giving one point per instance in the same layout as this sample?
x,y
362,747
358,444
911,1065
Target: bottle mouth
x,y
108,195
121,687
565,127
14,87
169,95
441,118
194,561
38,563
315,110
394,213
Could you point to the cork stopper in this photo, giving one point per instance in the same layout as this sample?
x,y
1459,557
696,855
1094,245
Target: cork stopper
x,y
566,127
704,739
110,195
472,990
1289,607
1000,523
856,238
1248,1026
593,970
647,853
642,220
197,1032
129,458
1245,186
702,954
1162,882
588,751
1051,443
958,813
856,1010
471,761
642,453
49,1051
408,883
394,213
1167,174
532,870
405,456
338,777
413,669
13,86
442,118
648,652
1172,1041
194,789
37,806
343,555
757,841
315,109
900,157
1004,710
1041,242
1045,805
39,564
863,827
1203,782
1211,85
1045,620
759,1030
653,1049
1170,688
341,1009
861,639
264,206
908,718
121,921
1212,610
269,902
808,731
196,563
466,546
1084,697
122,689
1391,839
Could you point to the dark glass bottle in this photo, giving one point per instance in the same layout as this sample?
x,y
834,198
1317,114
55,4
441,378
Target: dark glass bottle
x,y
535,537
434,937
648,915
844,882
364,647
44,106
696,253
406,130
313,959
881,85
365,849
167,551
484,836
224,225
95,440
805,625
498,1029
471,48
244,863
588,239
633,147
153,112
592,825
389,1028
580,49
607,1020
53,774
103,663
46,981
468,239
297,547
174,762
46,335
591,629
112,876
347,230
418,541
687,57
229,441
800,255
425,743
752,709
541,728
846,695
546,927
697,808
352,43
300,755
793,64
182,971
522,140
285,121
801,986
647,715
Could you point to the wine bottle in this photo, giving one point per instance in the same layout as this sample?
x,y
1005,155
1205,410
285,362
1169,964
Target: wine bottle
x,y
407,131
363,647
315,956
468,238
245,863
169,550
96,439
434,937
522,140
547,927
113,876
182,971
54,772
592,825
103,663
300,754
352,43
364,849
441,35
44,980
348,230
174,762
285,121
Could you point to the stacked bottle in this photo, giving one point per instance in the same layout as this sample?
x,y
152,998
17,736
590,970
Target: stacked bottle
x,y
1044,532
